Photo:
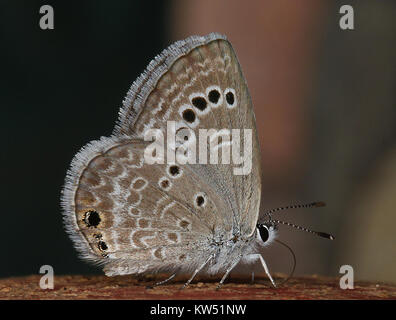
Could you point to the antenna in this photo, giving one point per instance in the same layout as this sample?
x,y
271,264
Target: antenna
x,y
318,233
316,204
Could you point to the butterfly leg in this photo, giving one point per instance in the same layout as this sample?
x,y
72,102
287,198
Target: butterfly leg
x,y
162,282
227,273
258,256
196,271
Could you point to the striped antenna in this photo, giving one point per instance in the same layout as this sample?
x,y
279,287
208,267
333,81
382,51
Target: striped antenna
x,y
316,204
320,234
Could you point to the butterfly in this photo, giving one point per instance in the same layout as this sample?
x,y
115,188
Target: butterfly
x,y
135,217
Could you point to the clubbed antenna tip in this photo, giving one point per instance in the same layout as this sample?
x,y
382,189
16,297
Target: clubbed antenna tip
x,y
318,204
325,235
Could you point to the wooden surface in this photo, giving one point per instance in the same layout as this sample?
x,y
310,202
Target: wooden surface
x,y
126,287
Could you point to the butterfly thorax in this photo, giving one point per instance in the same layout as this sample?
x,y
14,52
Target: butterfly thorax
x,y
229,251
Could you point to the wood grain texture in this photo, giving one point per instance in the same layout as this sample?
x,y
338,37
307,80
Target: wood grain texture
x,y
124,287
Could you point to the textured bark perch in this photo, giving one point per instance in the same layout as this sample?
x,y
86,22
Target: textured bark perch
x,y
102,287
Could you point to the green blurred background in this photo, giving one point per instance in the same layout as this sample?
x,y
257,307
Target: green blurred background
x,y
324,99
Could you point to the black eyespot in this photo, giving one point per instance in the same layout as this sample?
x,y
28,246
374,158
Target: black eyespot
x,y
230,98
92,218
214,96
200,201
102,245
174,170
199,103
165,184
189,115
264,232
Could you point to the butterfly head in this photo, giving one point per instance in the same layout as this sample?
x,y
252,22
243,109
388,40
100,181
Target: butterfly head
x,y
266,232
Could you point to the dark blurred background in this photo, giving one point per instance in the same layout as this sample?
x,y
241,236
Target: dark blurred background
x,y
324,99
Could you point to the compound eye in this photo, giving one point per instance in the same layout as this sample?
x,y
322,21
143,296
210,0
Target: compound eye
x,y
264,232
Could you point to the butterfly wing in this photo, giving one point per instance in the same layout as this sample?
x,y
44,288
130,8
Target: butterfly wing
x,y
200,79
134,217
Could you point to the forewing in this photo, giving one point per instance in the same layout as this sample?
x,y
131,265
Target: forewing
x,y
201,68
